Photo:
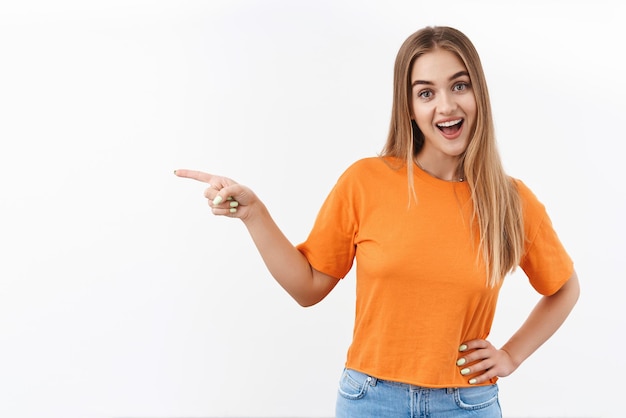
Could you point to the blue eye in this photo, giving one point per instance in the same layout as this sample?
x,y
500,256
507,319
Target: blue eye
x,y
460,86
425,94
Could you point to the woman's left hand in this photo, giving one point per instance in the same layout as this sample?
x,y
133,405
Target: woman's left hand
x,y
481,361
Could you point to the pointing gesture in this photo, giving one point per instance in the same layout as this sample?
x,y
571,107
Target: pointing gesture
x,y
225,196
285,262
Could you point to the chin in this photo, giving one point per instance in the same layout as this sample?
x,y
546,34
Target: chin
x,y
457,151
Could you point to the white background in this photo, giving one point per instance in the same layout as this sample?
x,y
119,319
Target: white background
x,y
122,296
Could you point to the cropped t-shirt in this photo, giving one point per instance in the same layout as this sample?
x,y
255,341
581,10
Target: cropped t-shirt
x,y
420,286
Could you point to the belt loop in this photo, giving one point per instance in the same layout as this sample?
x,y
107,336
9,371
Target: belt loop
x,y
372,380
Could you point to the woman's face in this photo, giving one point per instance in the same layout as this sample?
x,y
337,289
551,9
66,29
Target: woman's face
x,y
444,106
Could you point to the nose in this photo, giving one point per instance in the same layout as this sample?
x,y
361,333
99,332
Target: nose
x,y
447,103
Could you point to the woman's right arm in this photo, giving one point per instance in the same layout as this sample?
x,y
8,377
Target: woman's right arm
x,y
287,265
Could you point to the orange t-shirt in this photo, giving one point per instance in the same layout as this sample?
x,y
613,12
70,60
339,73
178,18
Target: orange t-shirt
x,y
421,289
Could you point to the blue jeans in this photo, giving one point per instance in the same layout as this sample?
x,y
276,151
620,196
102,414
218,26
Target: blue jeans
x,y
363,396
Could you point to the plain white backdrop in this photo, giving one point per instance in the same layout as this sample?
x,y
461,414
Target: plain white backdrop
x,y
122,296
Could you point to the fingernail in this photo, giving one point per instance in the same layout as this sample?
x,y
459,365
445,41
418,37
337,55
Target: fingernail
x,y
234,204
233,210
460,362
463,347
174,171
472,381
465,371
229,198
218,199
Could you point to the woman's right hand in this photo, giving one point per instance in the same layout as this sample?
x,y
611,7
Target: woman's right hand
x,y
285,262
225,196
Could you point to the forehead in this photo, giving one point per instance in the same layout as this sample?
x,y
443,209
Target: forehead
x,y
436,65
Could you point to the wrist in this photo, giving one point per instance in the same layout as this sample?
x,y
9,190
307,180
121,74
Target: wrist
x,y
255,214
515,360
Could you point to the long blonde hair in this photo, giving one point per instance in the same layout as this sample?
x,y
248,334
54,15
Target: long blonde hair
x,y
496,204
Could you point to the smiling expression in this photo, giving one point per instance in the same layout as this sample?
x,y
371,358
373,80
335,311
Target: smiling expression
x,y
444,108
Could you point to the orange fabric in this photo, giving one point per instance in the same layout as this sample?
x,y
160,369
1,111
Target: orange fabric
x,y
421,290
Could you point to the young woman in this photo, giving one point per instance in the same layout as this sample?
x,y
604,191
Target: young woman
x,y
428,270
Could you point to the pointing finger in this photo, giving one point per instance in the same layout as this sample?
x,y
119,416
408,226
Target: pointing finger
x,y
195,175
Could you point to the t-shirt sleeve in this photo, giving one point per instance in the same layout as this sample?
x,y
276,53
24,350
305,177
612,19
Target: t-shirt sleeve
x,y
545,261
330,246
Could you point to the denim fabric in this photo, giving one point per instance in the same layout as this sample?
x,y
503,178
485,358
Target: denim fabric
x,y
363,396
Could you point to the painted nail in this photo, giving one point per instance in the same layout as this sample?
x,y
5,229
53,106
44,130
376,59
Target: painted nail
x,y
234,204
229,198
460,362
233,210
218,199
465,371
463,347
472,381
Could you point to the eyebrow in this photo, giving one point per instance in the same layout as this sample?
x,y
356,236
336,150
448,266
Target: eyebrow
x,y
430,83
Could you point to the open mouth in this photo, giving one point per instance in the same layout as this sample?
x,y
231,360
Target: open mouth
x,y
450,127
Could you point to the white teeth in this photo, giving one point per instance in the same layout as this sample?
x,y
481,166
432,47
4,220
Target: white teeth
x,y
449,123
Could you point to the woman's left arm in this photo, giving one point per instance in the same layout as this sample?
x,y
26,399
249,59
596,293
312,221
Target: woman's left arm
x,y
481,361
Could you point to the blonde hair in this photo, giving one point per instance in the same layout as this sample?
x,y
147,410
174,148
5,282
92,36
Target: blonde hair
x,y
496,204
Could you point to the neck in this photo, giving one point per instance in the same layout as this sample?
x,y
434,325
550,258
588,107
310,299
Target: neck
x,y
442,173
